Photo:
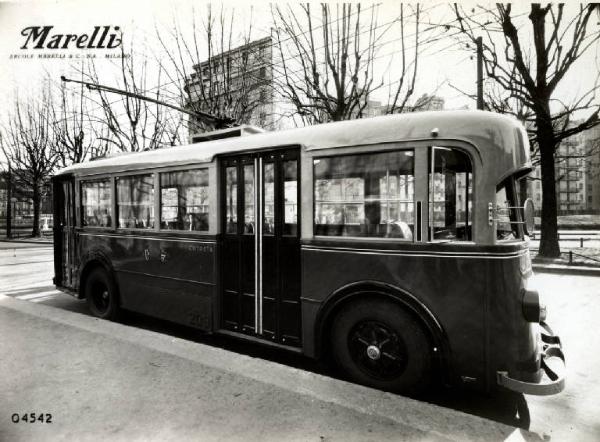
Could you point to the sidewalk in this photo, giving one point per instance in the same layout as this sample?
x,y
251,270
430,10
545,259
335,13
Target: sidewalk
x,y
106,381
565,269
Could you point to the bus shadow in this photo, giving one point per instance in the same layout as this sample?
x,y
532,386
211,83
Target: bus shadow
x,y
507,408
229,343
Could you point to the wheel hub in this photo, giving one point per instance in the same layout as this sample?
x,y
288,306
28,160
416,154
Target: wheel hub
x,y
373,352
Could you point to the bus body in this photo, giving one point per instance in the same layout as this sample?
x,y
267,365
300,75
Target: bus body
x,y
393,244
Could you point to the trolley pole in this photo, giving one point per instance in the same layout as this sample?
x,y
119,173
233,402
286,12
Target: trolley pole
x,y
216,121
480,73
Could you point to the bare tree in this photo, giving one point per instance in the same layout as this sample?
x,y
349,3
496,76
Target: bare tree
x,y
132,123
528,77
28,145
327,66
215,69
75,128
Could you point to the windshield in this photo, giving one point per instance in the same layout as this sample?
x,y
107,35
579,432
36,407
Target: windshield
x,y
507,215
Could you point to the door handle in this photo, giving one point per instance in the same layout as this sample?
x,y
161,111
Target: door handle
x,y
163,256
147,254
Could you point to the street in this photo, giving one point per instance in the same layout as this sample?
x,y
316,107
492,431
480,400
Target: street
x,y
26,274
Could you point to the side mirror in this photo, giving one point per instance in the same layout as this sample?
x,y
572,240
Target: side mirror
x,y
528,216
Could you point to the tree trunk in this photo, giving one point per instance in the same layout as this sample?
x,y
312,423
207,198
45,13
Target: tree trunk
x,y
36,210
549,246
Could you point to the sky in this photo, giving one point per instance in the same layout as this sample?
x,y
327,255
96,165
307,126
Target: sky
x,y
443,67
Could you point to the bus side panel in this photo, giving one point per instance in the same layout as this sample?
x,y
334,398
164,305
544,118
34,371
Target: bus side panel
x,y
453,289
513,341
167,278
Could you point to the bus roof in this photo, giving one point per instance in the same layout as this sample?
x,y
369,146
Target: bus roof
x,y
500,140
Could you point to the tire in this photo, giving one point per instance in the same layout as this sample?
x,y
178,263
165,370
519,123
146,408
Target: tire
x,y
101,295
379,344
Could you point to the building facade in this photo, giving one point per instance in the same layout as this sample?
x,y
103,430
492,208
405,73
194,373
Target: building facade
x,y
235,84
577,175
591,145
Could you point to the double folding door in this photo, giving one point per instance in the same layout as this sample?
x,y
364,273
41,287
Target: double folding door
x,y
260,258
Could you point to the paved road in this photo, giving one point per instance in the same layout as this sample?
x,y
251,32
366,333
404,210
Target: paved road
x,y
573,303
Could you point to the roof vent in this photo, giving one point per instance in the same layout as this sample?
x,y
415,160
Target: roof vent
x,y
238,131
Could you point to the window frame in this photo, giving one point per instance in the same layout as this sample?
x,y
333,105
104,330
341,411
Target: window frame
x,y
471,217
357,151
509,184
139,172
204,167
79,199
113,176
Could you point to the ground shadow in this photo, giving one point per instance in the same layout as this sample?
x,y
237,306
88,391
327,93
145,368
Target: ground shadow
x,y
505,407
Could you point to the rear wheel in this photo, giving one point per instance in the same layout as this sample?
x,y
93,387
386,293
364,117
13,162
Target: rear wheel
x,y
379,344
101,295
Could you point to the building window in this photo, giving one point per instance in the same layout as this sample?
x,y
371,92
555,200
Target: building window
x,y
184,203
96,206
135,202
368,195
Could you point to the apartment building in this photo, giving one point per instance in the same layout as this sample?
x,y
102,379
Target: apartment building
x,y
235,83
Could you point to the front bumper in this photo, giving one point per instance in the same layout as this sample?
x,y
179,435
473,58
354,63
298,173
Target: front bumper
x,y
551,348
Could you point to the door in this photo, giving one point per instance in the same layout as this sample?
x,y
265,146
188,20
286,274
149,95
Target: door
x,y
64,227
260,261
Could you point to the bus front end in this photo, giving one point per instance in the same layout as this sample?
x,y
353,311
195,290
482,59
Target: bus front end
x,y
532,360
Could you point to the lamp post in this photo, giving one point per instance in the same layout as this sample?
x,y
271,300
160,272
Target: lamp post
x,y
480,104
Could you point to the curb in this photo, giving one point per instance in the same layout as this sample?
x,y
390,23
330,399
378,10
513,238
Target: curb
x,y
27,241
566,270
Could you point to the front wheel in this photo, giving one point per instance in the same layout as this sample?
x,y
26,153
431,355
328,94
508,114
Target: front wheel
x,y
379,344
101,295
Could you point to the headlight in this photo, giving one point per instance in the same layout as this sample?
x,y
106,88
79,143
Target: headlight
x,y
533,311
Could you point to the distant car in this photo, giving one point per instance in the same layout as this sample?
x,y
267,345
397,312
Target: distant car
x,y
46,223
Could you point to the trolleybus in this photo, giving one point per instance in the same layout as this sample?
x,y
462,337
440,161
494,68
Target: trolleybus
x,y
395,245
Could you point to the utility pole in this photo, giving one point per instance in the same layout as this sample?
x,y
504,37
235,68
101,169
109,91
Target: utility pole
x,y
217,122
9,203
479,73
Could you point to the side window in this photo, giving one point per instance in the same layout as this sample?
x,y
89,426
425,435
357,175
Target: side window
x,y
96,207
231,199
184,200
450,195
365,195
508,221
135,202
